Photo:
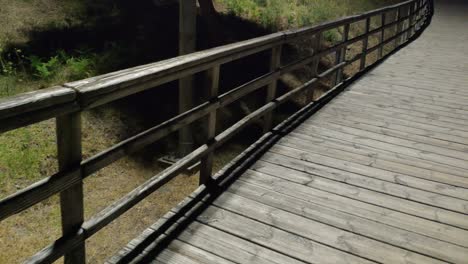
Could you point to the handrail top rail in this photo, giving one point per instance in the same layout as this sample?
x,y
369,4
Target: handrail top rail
x,y
108,87
35,100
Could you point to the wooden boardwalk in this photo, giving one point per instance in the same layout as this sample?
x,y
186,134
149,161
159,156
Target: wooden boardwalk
x,y
379,175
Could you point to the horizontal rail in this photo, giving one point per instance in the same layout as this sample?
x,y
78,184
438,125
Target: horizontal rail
x,y
74,97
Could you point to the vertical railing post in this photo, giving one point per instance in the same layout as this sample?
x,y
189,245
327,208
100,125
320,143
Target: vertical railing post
x,y
341,55
71,201
411,21
212,86
382,35
365,44
187,44
316,46
407,14
275,63
398,27
418,14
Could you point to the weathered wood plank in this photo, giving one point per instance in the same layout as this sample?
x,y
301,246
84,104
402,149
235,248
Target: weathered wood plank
x,y
316,144
459,163
389,155
231,247
354,123
391,139
263,175
71,200
33,101
38,192
279,240
370,196
275,64
381,232
317,231
389,121
206,166
369,178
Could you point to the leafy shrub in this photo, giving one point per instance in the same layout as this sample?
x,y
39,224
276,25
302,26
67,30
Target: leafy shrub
x,y
44,69
79,67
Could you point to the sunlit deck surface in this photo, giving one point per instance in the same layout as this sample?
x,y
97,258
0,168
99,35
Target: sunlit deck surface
x,y
378,175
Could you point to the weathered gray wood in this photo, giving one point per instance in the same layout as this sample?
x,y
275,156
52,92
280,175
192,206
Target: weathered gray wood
x,y
365,45
413,152
32,107
382,35
358,225
369,196
33,101
341,55
316,46
264,177
378,151
444,152
38,192
231,247
279,240
317,231
275,64
178,249
355,123
398,123
71,199
206,166
361,176
450,185
187,45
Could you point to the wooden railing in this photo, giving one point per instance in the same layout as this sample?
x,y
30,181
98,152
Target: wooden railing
x,y
65,103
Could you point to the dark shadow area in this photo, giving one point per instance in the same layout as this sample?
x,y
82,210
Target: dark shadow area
x,y
124,34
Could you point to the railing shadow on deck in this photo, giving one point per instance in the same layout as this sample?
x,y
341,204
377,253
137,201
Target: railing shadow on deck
x,y
65,103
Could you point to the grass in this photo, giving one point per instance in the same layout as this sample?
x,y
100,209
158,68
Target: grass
x,y
29,154
286,14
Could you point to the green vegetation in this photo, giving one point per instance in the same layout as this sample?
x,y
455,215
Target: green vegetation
x,y
284,14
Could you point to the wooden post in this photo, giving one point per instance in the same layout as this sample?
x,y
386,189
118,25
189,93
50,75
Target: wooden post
x,y
407,14
275,63
187,44
411,21
341,55
417,14
206,166
71,200
382,36
365,44
316,45
398,27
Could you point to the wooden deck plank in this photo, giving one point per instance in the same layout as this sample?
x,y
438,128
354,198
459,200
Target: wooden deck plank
x,y
276,239
231,247
409,151
180,252
399,124
433,171
324,233
263,175
449,185
362,226
381,136
423,110
350,182
457,129
357,123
